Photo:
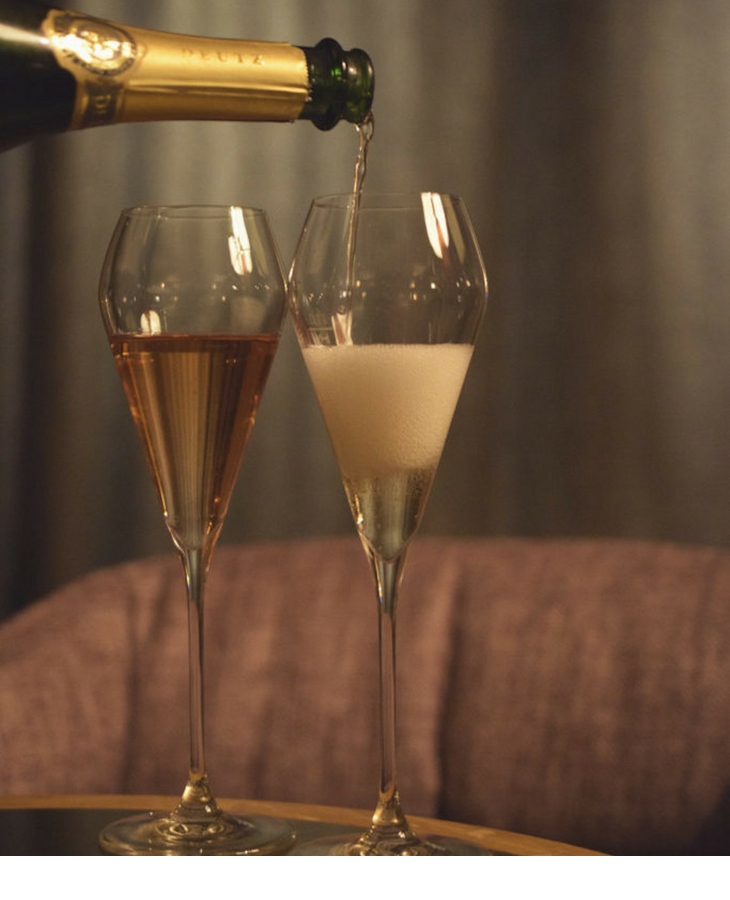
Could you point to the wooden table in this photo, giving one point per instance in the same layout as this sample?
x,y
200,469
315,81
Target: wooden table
x,y
68,824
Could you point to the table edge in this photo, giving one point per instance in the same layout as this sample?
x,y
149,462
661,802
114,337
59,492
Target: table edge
x,y
495,839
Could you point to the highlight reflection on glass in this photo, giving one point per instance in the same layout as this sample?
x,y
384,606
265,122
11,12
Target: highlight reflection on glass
x,y
239,244
436,225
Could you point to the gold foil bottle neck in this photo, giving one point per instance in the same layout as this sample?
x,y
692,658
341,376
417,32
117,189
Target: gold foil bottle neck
x,y
128,74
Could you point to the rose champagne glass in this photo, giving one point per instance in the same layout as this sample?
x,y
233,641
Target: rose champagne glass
x,y
193,300
387,295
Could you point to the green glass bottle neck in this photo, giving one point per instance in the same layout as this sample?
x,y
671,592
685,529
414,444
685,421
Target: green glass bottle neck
x,y
342,83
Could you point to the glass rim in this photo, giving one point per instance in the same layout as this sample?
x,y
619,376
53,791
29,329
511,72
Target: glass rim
x,y
382,199
189,210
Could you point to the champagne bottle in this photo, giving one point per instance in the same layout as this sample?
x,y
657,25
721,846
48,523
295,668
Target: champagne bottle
x,y
62,70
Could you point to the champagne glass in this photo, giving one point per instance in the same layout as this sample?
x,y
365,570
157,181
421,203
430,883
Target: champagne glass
x,y
193,300
387,293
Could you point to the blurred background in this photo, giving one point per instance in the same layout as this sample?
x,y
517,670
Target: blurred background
x,y
591,142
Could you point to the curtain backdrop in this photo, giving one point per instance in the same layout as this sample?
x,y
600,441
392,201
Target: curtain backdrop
x,y
591,141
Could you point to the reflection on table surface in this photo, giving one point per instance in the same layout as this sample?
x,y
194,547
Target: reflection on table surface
x,y
68,825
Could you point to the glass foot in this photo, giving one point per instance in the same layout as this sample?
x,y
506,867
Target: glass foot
x,y
364,845
162,834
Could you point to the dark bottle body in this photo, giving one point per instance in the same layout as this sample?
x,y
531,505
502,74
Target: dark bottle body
x,y
60,70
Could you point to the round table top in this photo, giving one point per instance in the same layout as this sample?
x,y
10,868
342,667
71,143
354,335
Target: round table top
x,y
499,842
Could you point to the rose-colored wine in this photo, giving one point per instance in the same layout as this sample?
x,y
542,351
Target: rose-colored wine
x,y
194,399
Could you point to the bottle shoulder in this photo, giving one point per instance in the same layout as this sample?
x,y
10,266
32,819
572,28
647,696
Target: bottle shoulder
x,y
36,95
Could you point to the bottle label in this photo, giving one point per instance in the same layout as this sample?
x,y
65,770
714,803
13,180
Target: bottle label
x,y
137,75
94,51
99,47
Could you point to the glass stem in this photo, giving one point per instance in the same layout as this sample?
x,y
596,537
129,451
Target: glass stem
x,y
197,800
388,817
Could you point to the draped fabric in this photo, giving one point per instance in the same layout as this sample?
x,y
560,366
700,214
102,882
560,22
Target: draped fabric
x,y
590,142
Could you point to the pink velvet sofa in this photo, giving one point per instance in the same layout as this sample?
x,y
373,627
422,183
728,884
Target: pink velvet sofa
x,y
575,690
